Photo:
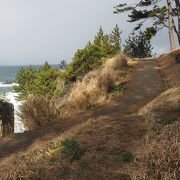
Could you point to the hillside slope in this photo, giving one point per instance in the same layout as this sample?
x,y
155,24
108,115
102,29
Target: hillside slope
x,y
98,144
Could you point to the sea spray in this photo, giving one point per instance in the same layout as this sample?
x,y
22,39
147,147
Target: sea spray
x,y
18,125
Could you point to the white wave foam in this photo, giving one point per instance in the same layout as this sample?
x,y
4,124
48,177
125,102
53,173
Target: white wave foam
x,y
2,84
18,125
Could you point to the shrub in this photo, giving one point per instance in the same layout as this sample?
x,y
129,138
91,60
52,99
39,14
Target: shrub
x,y
42,81
158,157
138,45
96,85
92,56
37,111
71,149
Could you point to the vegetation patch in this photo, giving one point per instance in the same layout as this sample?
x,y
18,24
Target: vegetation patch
x,y
114,89
123,155
88,106
178,108
64,173
72,150
178,175
83,165
124,177
88,132
168,120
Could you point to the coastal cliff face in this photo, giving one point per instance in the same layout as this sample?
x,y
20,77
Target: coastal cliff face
x,y
6,118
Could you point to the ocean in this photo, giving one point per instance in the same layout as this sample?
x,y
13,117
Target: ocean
x,y
7,73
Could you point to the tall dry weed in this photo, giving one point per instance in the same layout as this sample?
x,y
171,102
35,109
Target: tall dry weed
x,y
37,111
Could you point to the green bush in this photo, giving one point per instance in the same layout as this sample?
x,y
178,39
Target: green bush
x,y
72,150
42,81
138,45
93,54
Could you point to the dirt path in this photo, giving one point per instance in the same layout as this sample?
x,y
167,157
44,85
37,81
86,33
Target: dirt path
x,y
146,85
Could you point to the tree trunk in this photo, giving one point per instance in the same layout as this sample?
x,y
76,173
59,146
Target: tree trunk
x,y
170,24
178,15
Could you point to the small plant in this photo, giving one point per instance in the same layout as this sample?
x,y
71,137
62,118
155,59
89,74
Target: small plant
x,y
83,165
88,132
87,106
178,108
124,177
117,88
123,155
69,146
178,175
169,120
72,150
64,173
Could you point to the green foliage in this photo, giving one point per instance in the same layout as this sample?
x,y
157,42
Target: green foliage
x,y
69,146
177,174
144,10
92,55
88,106
138,45
84,61
25,80
178,108
3,97
63,65
37,82
64,173
123,155
72,150
115,39
114,89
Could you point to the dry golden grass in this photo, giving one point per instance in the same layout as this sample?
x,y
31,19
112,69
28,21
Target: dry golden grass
x,y
96,85
164,109
158,157
169,68
37,111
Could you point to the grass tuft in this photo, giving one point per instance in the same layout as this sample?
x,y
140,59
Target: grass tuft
x,y
72,150
123,155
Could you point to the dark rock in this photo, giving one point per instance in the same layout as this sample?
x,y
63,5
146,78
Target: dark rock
x,y
6,118
176,57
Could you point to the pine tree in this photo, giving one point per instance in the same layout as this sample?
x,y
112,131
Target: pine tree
x,y
63,65
46,66
115,39
160,12
101,41
99,37
138,45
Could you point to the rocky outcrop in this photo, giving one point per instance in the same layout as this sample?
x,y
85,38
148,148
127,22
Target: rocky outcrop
x,y
6,118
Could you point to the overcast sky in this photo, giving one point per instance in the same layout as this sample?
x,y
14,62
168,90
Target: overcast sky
x,y
32,31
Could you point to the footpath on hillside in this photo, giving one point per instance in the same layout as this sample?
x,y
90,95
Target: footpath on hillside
x,y
145,85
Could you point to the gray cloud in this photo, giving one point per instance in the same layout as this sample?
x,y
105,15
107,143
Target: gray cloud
x,y
38,30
